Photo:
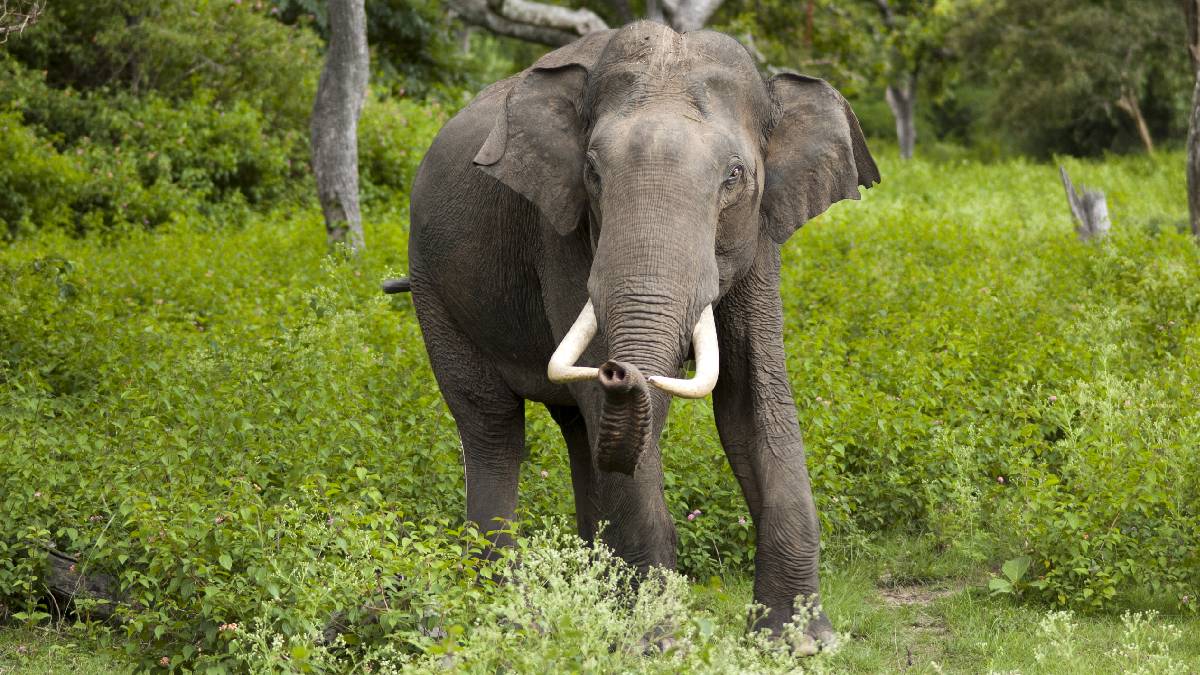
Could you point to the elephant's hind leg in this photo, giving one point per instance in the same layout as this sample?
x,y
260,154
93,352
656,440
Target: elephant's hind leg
x,y
490,419
574,430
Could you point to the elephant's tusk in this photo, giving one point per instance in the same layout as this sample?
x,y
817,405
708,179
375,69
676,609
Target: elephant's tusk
x,y
562,368
704,343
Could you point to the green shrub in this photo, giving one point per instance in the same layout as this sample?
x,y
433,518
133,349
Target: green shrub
x,y
88,162
393,135
36,182
176,49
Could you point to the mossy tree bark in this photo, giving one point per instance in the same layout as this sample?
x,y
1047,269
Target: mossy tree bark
x,y
334,126
1191,10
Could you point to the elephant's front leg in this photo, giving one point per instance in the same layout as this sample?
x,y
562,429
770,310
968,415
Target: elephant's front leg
x,y
756,418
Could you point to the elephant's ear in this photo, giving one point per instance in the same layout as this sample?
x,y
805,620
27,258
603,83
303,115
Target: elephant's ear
x,y
816,154
537,144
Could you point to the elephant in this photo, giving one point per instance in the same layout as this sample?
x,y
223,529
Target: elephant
x,y
582,230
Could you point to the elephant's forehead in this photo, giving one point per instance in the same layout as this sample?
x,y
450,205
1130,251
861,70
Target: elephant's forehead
x,y
658,47
648,63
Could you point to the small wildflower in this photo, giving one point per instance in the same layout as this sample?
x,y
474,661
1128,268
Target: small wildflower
x,y
164,662
218,520
329,521
545,473
741,520
1053,398
71,569
37,494
95,518
1086,535
697,512
1000,480
22,649
691,516
1186,599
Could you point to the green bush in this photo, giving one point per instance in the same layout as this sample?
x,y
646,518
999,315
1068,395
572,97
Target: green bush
x,y
87,162
35,180
176,49
393,135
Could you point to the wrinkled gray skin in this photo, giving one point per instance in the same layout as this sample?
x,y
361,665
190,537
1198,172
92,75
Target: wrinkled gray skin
x,y
654,173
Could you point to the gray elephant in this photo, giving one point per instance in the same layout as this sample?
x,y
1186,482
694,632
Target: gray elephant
x,y
582,229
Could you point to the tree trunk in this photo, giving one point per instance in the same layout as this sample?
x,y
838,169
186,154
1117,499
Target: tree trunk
x,y
1193,160
689,15
1192,15
340,95
624,11
1090,209
654,11
902,99
1129,103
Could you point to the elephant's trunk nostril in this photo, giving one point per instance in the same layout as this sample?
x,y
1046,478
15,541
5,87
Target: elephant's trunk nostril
x,y
619,378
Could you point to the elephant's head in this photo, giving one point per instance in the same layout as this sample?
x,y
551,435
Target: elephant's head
x,y
676,158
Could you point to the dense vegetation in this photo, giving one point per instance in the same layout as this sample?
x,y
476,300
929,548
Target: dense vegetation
x,y
200,400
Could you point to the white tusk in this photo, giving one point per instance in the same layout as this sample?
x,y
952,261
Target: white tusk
x,y
704,343
562,368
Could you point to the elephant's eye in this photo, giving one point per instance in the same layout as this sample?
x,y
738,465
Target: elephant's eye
x,y
591,175
735,175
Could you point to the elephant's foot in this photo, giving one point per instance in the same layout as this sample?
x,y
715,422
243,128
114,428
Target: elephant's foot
x,y
806,631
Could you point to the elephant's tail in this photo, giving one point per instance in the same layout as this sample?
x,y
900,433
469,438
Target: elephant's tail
x,y
400,285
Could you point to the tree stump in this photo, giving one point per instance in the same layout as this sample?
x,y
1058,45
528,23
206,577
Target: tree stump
x,y
1089,208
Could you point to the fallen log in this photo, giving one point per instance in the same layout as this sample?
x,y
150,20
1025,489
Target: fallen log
x,y
70,582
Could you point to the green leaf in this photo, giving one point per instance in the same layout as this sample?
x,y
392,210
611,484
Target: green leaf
x,y
1015,569
226,561
998,585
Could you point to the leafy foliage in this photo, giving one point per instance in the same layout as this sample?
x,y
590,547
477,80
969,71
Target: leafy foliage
x,y
1059,69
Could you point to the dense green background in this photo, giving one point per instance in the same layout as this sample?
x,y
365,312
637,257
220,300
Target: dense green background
x,y
197,397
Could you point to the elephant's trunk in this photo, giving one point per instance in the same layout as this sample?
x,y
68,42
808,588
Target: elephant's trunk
x,y
624,431
625,423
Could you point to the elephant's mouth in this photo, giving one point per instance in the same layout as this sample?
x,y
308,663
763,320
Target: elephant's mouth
x,y
624,431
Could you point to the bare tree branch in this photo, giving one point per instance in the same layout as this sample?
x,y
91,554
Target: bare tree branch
x,y
528,20
19,16
553,25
